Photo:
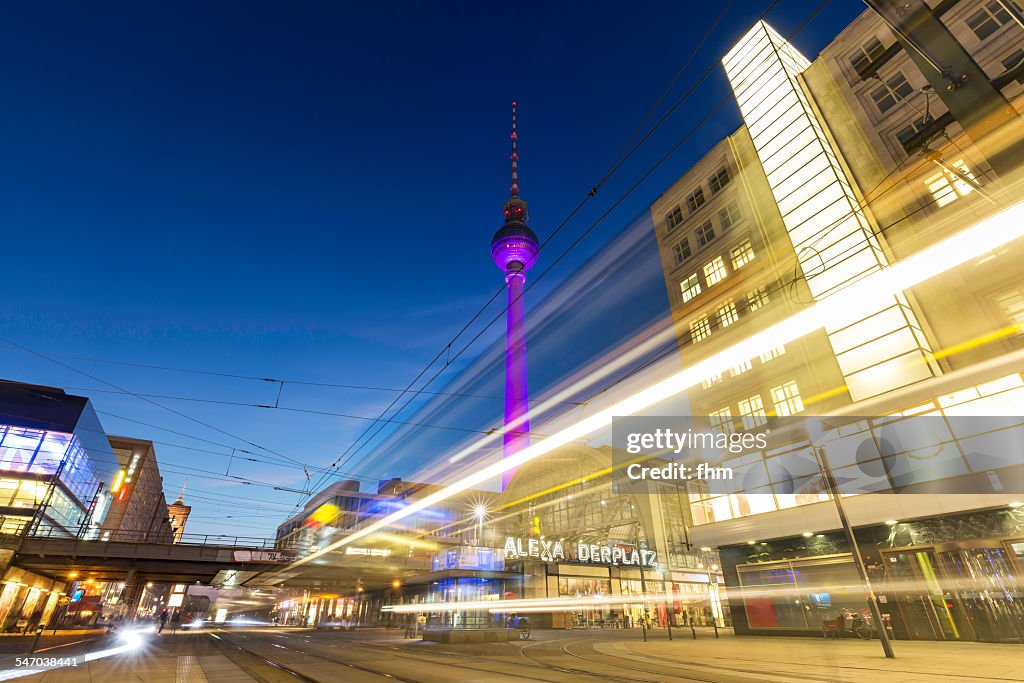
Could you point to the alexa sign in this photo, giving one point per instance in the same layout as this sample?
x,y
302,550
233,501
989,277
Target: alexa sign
x,y
553,551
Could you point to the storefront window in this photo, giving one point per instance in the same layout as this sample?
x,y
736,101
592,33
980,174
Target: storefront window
x,y
578,587
800,593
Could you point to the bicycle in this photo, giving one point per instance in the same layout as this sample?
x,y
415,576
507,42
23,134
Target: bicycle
x,y
860,625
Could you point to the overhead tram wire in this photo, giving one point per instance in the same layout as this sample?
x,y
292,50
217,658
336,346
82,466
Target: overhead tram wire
x,y
144,399
242,404
237,455
592,193
342,460
296,382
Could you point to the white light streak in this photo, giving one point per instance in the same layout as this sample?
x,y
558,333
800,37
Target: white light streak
x,y
845,305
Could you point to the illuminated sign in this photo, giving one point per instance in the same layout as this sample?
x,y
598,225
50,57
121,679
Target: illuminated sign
x,y
592,553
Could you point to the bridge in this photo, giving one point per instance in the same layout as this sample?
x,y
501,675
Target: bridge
x,y
211,560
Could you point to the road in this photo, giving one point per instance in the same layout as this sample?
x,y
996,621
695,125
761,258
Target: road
x,y
288,655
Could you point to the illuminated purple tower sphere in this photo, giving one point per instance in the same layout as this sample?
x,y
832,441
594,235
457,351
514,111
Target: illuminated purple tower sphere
x,y
514,250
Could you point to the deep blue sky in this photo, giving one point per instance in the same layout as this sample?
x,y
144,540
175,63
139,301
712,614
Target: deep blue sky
x,y
308,191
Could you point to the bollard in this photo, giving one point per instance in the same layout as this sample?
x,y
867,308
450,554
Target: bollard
x,y
35,641
715,622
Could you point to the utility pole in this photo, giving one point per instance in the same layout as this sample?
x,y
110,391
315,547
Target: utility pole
x,y
851,539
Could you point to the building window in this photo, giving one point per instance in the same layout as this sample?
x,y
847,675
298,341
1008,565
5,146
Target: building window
x,y
674,218
947,187
700,329
727,314
711,381
721,420
772,353
730,214
738,370
752,412
988,19
715,271
905,135
1013,61
704,233
681,250
868,53
894,89
741,254
695,200
1012,305
786,398
719,180
690,287
757,298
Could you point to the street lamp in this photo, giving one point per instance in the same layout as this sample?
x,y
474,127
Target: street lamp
x,y
813,432
480,512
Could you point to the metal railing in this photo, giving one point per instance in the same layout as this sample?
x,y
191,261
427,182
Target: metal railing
x,y
130,536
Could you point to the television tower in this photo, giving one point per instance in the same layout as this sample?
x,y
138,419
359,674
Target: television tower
x,y
514,249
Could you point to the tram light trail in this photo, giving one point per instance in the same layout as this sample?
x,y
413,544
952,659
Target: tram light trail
x,y
855,301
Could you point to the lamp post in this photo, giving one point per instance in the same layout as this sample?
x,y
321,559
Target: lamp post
x,y
833,490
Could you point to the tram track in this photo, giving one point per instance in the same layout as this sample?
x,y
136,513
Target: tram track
x,y
515,676
533,668
740,674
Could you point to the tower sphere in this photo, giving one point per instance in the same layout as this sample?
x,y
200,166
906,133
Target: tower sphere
x,y
514,247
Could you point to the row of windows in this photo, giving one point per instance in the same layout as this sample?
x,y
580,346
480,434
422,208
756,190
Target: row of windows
x,y
785,398
987,20
728,216
742,367
696,199
726,314
715,272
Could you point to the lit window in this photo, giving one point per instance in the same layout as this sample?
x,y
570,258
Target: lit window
x,y
704,234
721,420
871,51
674,218
714,271
786,398
947,187
730,214
681,250
741,368
988,19
1012,305
742,254
700,329
727,314
752,412
772,353
719,180
894,89
757,298
695,200
712,381
690,287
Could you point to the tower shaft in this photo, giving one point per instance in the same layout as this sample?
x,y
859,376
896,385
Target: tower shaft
x,y
517,394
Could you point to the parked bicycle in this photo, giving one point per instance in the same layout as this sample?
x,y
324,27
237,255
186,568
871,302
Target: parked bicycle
x,y
849,621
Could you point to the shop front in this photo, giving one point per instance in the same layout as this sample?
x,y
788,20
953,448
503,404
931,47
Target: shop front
x,y
929,587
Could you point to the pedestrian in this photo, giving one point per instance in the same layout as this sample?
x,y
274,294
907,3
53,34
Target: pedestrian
x,y
175,621
163,621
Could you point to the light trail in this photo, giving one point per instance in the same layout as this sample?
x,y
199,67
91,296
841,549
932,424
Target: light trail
x,y
855,301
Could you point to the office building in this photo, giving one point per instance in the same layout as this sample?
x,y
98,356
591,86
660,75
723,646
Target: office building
x,y
845,166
